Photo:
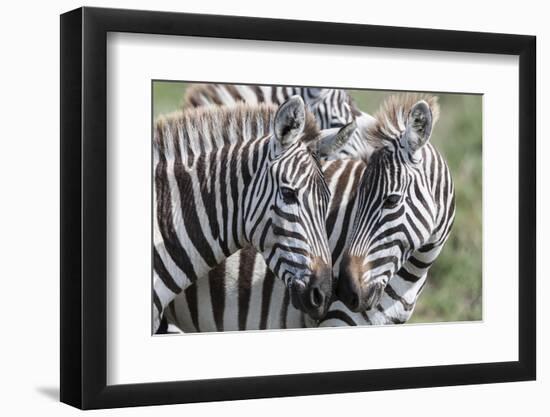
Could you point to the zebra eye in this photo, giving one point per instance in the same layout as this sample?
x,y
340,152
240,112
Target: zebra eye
x,y
392,200
289,195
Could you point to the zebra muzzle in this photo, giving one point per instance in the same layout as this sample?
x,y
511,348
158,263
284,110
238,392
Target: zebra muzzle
x,y
312,293
348,289
356,291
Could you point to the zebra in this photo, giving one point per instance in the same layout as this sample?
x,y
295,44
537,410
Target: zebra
x,y
252,181
251,297
405,214
332,108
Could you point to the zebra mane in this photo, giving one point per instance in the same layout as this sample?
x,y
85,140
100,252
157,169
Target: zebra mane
x,y
202,126
391,118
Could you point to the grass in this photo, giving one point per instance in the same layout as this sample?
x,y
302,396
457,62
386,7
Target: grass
x,y
167,96
454,288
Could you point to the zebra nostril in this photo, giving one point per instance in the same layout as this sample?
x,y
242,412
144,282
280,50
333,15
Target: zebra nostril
x,y
354,301
317,297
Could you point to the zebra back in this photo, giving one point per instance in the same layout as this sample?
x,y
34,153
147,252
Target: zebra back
x,y
332,108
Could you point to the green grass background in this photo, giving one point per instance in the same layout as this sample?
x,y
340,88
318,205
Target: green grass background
x,y
454,288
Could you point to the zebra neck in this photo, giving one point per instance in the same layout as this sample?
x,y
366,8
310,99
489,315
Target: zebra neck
x,y
205,196
226,192
256,194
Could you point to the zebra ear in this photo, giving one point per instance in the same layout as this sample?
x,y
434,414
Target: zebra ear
x,y
419,126
331,140
290,120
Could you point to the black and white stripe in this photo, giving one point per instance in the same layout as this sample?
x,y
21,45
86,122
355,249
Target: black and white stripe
x,y
332,108
249,297
404,217
427,183
227,178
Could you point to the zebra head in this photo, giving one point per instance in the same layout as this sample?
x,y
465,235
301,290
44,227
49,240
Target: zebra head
x,y
286,211
331,107
399,202
335,108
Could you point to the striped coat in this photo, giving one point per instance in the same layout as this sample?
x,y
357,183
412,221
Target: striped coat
x,y
332,108
229,178
405,213
252,299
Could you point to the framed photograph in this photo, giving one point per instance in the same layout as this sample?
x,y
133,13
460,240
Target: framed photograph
x,y
258,208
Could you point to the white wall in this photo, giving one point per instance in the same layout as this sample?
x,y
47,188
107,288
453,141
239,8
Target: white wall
x,y
29,104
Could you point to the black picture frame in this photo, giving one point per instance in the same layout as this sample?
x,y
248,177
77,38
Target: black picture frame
x,y
84,207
